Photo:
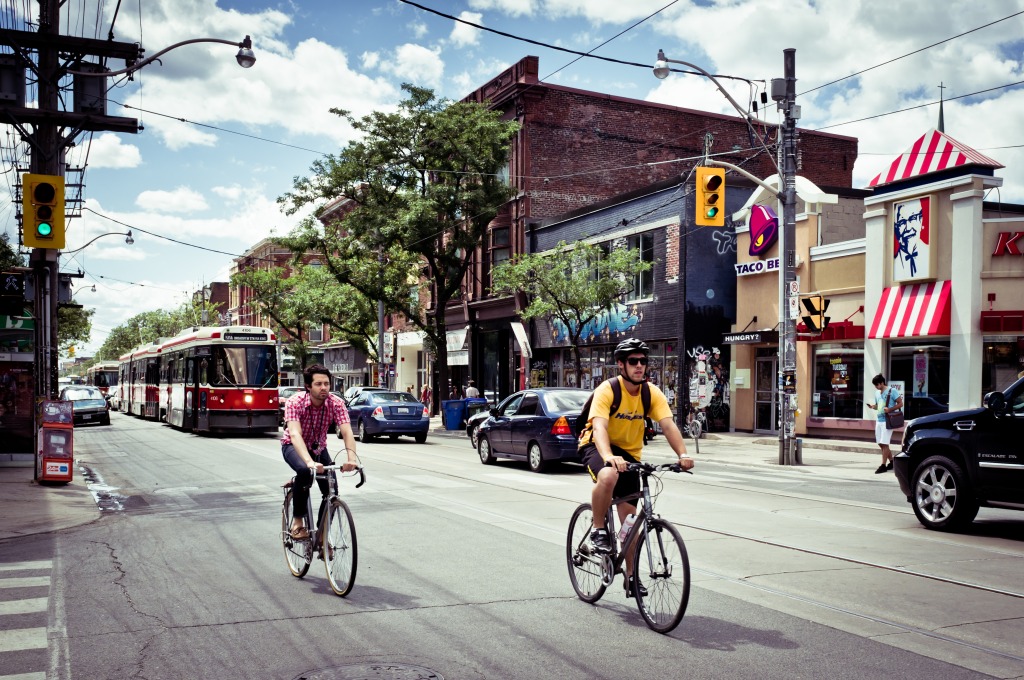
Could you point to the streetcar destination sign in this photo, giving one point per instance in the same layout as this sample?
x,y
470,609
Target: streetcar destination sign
x,y
247,337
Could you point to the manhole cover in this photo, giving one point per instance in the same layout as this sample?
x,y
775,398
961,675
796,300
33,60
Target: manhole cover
x,y
359,671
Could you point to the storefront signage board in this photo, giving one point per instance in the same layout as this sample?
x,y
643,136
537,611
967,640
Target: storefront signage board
x,y
913,254
757,267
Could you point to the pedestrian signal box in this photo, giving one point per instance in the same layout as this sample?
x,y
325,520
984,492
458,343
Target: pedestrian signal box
x,y
42,209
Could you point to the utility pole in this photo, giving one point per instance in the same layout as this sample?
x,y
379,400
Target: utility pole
x,y
784,92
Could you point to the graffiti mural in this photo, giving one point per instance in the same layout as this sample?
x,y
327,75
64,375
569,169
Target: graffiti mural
x,y
709,386
609,323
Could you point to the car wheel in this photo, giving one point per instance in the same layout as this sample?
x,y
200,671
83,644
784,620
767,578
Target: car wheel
x,y
484,449
943,499
474,436
535,457
422,437
364,436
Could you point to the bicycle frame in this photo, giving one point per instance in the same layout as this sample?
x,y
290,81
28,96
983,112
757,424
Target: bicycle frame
x,y
617,557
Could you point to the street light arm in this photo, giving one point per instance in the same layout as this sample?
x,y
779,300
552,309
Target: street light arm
x,y
764,185
244,50
128,240
658,69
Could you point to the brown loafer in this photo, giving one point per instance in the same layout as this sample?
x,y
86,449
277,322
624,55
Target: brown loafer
x,y
300,534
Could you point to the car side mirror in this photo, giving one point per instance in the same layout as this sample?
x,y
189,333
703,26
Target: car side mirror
x,y
995,401
493,412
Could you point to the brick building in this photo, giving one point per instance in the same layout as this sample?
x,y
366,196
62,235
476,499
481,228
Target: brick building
x,y
576,148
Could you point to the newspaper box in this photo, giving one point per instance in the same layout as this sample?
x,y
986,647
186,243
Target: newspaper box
x,y
55,454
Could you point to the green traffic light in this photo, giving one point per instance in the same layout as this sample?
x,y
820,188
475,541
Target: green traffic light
x,y
711,212
44,229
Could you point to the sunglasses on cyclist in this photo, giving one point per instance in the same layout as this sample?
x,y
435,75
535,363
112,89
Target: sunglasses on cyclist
x,y
633,361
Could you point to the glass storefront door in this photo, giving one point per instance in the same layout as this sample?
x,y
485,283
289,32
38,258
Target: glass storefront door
x,y
765,394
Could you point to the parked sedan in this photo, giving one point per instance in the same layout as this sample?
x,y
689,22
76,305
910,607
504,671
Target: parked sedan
x,y
87,403
388,413
536,425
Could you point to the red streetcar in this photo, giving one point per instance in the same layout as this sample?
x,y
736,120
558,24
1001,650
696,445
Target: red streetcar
x,y
138,392
220,379
104,374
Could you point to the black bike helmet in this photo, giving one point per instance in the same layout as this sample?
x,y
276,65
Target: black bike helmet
x,y
631,346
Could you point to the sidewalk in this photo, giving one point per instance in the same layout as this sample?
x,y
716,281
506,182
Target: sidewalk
x,y
28,508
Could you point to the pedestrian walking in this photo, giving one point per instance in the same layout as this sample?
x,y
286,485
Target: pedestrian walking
x,y
887,400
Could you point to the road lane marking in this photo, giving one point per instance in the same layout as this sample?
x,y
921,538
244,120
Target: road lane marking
x,y
29,605
25,582
22,638
31,564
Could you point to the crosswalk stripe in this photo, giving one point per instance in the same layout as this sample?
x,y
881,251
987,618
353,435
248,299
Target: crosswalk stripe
x,y
24,676
22,638
25,582
27,606
31,564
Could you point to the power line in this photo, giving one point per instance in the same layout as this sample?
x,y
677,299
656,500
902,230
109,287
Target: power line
x,y
918,106
927,47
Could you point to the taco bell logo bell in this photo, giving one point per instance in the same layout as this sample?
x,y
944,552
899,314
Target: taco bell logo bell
x,y
764,230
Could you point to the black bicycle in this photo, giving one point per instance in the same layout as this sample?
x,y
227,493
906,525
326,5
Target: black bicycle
x,y
334,540
660,561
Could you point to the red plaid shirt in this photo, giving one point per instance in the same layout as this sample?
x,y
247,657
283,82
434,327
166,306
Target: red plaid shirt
x,y
314,421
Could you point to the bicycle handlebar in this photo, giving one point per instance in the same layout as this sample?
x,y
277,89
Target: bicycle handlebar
x,y
359,469
648,469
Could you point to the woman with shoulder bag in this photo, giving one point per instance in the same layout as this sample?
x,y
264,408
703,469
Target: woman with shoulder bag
x,y
888,405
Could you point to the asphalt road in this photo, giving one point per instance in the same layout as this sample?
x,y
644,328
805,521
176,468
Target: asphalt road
x,y
462,571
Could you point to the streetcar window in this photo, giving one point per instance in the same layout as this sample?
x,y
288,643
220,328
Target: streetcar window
x,y
249,366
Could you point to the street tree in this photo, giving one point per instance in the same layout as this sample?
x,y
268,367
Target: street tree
x,y
9,257
571,284
150,326
423,182
74,327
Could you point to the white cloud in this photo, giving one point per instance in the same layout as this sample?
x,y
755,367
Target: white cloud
x,y
231,194
180,200
419,29
511,7
108,151
416,64
370,59
464,35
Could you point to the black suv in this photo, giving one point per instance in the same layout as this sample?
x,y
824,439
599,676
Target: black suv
x,y
953,463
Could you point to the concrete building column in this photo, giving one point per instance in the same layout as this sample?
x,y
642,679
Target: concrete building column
x,y
965,341
877,274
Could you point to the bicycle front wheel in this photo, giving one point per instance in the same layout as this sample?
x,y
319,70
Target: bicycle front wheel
x,y
297,554
339,545
663,567
586,568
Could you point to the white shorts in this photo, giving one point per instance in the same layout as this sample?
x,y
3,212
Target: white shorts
x,y
883,435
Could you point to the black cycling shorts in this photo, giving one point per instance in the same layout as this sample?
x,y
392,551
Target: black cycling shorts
x,y
628,482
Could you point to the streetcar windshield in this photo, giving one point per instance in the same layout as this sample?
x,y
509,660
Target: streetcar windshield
x,y
244,366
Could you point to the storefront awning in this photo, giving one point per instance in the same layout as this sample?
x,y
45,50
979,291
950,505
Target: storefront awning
x,y
913,310
524,342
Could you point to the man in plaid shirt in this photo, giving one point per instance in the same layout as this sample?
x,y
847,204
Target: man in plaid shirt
x,y
308,416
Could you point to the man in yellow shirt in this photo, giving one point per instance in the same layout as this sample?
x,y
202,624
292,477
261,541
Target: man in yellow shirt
x,y
609,442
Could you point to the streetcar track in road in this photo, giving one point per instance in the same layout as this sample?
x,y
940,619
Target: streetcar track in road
x,y
779,544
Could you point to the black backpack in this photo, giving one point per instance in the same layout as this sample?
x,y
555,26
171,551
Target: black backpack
x,y
645,398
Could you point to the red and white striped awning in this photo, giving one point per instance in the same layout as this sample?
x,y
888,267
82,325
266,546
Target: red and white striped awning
x,y
933,152
912,310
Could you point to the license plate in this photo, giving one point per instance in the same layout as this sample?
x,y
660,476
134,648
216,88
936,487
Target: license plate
x,y
87,417
404,410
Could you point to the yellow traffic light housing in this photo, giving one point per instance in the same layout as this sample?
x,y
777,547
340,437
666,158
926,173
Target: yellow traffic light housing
x,y
42,203
710,197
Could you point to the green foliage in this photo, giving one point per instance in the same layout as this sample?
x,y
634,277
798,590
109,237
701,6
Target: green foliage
x,y
9,257
570,283
422,184
74,327
148,327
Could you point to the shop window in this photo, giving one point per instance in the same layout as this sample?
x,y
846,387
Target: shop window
x,y
923,368
1004,362
643,283
838,381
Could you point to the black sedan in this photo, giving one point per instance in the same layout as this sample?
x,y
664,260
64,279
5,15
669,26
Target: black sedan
x,y
536,425
88,404
388,413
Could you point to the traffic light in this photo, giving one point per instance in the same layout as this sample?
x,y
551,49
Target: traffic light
x,y
42,202
710,197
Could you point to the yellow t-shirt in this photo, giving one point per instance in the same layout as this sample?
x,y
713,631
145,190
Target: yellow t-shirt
x,y
626,427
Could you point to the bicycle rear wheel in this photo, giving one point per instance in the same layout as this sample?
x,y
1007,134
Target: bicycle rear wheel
x,y
298,554
662,565
339,544
586,569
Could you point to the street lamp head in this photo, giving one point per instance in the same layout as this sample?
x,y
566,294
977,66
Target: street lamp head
x,y
129,240
661,69
245,56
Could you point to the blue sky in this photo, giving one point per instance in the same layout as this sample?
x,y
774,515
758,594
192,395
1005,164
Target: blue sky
x,y
214,181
